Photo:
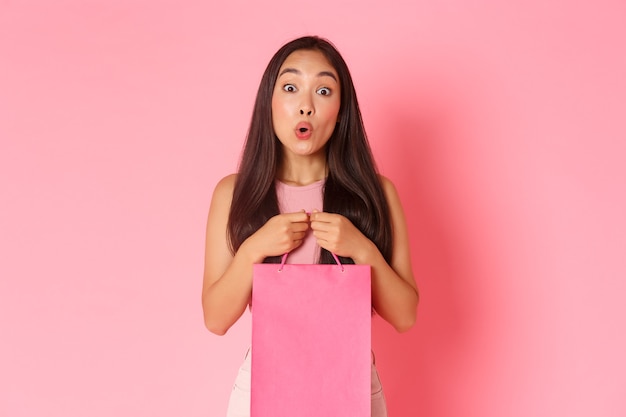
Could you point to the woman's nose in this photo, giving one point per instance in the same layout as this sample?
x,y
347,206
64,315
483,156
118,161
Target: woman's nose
x,y
307,112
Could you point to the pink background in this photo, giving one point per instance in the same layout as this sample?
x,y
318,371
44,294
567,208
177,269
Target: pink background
x,y
501,123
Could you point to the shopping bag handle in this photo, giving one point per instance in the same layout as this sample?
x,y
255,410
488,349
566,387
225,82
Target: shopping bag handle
x,y
284,259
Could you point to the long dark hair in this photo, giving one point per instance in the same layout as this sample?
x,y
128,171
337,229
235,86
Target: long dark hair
x,y
352,187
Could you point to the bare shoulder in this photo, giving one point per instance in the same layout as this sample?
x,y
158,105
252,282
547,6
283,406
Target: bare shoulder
x,y
225,186
394,202
217,252
221,201
389,188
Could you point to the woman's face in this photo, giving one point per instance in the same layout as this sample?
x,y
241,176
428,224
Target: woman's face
x,y
305,102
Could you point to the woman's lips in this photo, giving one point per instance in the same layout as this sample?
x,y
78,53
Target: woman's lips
x,y
303,130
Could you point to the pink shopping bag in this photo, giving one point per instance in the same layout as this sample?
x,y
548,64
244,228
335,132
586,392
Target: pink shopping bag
x,y
311,340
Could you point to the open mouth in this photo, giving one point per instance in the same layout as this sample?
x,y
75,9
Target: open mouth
x,y
304,130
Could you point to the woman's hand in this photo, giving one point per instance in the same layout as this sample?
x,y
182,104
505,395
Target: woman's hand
x,y
280,234
338,235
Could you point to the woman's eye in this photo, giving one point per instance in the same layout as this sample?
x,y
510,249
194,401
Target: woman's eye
x,y
290,88
324,91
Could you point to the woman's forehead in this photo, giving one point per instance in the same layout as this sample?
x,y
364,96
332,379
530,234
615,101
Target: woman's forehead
x,y
307,60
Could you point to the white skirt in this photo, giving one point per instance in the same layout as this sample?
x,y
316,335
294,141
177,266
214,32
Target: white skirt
x,y
239,403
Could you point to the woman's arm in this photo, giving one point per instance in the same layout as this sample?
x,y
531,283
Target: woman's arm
x,y
227,283
394,291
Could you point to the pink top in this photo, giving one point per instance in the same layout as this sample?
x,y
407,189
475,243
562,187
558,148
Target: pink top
x,y
293,198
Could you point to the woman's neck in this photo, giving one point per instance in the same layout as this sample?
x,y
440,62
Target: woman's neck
x,y
303,171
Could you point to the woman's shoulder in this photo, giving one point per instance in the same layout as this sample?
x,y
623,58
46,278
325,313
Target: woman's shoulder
x,y
386,183
226,184
390,190
224,188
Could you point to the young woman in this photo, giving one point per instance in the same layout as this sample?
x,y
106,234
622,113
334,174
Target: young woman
x,y
306,152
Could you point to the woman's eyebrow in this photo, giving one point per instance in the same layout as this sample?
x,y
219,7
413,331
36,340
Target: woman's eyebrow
x,y
298,72
327,74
